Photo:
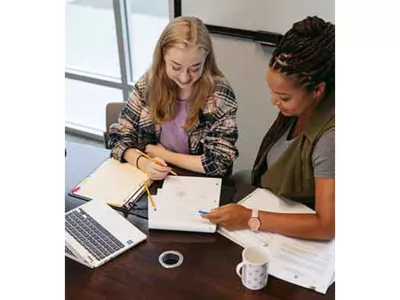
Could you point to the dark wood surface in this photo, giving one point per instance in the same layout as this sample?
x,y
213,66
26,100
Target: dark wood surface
x,y
207,272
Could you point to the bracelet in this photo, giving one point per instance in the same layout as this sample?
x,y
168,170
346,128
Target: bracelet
x,y
137,160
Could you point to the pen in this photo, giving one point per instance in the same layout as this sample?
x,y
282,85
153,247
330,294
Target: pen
x,y
203,212
150,197
153,160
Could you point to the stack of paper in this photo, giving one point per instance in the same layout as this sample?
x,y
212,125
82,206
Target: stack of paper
x,y
179,201
305,263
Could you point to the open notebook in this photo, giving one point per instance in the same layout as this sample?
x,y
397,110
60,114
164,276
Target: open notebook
x,y
179,201
310,264
118,184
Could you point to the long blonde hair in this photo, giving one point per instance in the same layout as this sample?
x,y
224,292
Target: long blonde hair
x,y
162,92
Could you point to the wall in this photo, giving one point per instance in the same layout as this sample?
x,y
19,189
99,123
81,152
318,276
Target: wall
x,y
268,15
245,63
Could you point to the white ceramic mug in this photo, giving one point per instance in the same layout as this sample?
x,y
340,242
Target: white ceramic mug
x,y
254,268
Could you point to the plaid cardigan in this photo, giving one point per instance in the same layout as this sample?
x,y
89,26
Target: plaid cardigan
x,y
213,136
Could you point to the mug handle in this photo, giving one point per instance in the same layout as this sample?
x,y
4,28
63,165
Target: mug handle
x,y
238,269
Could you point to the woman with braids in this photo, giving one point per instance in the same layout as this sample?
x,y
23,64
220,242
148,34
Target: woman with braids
x,y
296,159
182,110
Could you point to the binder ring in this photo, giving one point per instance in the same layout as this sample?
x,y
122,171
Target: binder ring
x,y
170,259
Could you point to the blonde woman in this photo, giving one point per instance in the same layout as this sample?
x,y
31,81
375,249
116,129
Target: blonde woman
x,y
182,110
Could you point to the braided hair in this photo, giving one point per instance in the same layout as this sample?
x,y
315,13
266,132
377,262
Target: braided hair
x,y
307,53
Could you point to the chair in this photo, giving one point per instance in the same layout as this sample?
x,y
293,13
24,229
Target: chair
x,y
113,110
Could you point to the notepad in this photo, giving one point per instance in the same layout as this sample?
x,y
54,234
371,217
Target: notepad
x,y
179,201
117,184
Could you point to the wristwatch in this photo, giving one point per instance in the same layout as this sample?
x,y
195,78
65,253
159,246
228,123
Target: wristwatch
x,y
254,222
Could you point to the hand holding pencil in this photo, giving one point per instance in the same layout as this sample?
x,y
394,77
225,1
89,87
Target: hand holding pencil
x,y
156,168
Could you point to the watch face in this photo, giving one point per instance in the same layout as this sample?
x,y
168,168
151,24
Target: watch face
x,y
254,223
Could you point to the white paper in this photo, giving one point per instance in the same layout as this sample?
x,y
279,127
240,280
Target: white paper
x,y
183,216
263,199
302,262
306,263
187,187
179,201
332,279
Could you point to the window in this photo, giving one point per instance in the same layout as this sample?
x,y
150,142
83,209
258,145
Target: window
x,y
90,38
86,103
154,17
109,45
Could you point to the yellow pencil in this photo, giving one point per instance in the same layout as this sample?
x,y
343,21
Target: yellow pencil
x,y
150,197
154,160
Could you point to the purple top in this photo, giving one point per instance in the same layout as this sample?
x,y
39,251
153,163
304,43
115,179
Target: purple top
x,y
173,136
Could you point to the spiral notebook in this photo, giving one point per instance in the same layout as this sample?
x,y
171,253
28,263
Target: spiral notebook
x,y
117,184
178,203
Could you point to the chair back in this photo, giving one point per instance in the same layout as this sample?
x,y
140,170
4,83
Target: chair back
x,y
113,110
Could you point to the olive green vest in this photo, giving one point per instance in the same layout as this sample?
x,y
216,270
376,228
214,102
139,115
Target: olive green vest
x,y
292,176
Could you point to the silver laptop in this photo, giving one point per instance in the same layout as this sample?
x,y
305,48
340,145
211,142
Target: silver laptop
x,y
95,234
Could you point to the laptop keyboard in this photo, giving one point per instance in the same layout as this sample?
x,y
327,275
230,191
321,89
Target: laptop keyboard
x,y
91,235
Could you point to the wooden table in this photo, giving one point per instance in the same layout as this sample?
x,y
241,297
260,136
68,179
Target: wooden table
x,y
207,272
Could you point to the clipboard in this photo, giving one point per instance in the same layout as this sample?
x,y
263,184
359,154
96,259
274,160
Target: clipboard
x,y
118,184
